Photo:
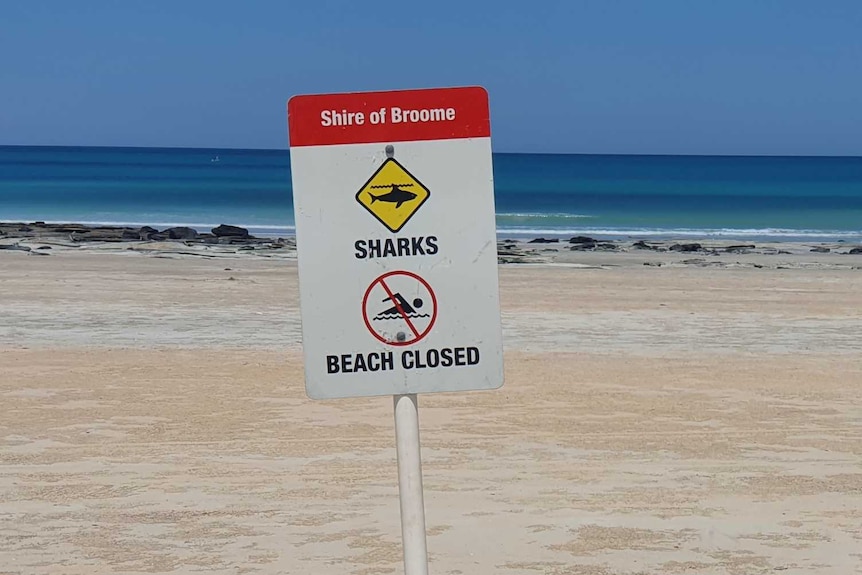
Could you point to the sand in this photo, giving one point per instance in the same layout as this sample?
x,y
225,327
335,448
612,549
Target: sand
x,y
655,419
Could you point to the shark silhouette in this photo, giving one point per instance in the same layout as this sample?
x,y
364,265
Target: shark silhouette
x,y
395,196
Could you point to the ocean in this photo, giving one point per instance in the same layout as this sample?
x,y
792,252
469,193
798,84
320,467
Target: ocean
x,y
536,195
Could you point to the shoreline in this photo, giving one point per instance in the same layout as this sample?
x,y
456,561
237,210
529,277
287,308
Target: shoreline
x,y
40,238
504,232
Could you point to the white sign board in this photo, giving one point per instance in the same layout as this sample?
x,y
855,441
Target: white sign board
x,y
394,205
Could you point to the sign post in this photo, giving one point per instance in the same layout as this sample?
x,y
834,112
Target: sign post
x,y
396,246
410,485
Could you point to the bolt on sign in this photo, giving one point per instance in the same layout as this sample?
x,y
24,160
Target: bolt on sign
x,y
394,205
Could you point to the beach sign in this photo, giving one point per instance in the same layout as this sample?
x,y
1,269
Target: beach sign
x,y
396,240
393,197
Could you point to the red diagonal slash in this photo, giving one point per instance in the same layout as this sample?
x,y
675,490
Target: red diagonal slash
x,y
400,310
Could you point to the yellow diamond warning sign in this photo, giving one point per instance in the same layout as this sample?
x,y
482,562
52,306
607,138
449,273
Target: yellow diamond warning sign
x,y
392,195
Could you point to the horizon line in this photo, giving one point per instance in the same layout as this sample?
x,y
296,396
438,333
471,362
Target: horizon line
x,y
287,149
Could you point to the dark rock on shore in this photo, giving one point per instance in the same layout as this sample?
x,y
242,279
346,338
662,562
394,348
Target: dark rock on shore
x,y
509,252
106,234
820,250
230,240
181,233
147,233
594,246
79,234
225,230
855,250
686,248
544,241
740,249
206,238
14,247
642,245
582,240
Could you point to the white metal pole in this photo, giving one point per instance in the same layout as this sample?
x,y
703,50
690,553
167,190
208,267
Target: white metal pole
x,y
410,485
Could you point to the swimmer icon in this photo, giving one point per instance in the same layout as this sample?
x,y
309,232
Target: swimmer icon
x,y
401,307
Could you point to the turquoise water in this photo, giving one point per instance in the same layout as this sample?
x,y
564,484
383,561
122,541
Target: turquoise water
x,y
548,195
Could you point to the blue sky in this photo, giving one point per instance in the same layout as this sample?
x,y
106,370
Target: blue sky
x,y
604,76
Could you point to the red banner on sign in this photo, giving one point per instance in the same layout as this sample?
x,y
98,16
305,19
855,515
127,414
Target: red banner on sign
x,y
386,117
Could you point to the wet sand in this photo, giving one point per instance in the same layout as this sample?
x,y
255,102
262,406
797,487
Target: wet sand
x,y
655,419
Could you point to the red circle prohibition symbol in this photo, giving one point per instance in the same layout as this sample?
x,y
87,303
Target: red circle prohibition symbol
x,y
397,300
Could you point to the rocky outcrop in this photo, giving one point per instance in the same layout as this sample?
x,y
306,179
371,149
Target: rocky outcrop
x,y
182,233
594,246
583,246
79,234
642,245
544,241
685,248
225,230
148,233
740,249
509,252
14,247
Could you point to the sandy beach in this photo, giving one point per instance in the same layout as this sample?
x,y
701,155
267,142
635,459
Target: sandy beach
x,y
664,411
